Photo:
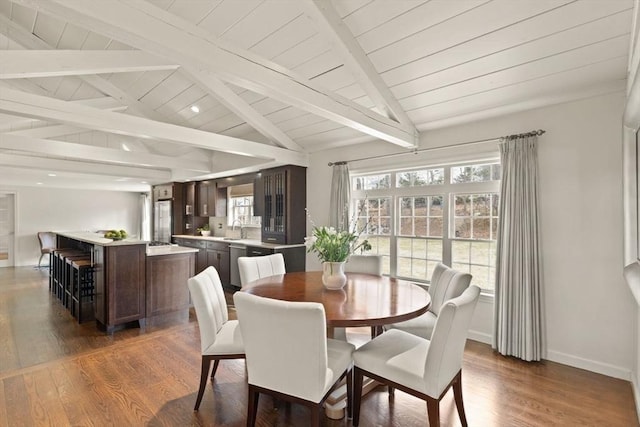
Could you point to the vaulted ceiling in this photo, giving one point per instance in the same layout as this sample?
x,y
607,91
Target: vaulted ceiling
x,y
127,93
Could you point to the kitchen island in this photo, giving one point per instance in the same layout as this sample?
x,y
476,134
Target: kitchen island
x,y
133,283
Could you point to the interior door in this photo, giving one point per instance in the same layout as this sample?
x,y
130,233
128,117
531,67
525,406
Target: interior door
x,y
7,229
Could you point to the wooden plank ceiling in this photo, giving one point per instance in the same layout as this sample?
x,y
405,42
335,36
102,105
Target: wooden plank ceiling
x,y
103,93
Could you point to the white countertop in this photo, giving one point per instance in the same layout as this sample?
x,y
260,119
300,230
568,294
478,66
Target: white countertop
x,y
169,250
99,239
232,241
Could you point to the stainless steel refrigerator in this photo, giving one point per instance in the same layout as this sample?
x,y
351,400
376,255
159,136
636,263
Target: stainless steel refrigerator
x,y
162,221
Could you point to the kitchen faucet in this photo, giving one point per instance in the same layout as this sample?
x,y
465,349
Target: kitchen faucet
x,y
233,227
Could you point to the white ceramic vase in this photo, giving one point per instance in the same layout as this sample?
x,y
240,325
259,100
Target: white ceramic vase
x,y
333,276
206,233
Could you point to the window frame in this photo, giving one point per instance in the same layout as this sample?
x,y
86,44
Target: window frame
x,y
447,189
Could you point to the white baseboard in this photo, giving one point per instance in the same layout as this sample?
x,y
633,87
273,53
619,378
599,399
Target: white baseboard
x,y
480,337
590,365
578,362
636,394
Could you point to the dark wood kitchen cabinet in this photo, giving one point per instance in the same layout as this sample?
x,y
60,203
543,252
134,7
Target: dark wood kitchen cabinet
x,y
167,290
218,256
206,198
201,255
283,198
119,279
211,199
189,208
294,256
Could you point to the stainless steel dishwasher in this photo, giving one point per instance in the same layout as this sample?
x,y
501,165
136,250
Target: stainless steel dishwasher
x,y
236,250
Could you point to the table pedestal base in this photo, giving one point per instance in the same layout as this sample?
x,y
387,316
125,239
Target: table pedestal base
x,y
336,404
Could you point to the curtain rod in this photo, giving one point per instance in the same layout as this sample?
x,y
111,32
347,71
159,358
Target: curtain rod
x,y
416,151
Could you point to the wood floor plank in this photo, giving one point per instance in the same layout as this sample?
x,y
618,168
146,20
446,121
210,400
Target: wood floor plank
x,y
17,400
4,417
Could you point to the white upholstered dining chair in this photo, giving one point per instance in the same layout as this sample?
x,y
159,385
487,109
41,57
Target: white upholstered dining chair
x,y
369,264
366,264
288,353
418,366
256,267
446,283
220,337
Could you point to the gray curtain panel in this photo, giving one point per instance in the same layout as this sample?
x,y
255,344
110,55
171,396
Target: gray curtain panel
x,y
340,197
518,289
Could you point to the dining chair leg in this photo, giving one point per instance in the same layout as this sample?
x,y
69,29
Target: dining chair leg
x,y
357,395
315,416
204,373
252,406
433,411
457,394
349,380
215,368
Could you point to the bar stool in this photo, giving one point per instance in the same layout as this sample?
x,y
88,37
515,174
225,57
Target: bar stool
x,y
59,270
70,277
82,290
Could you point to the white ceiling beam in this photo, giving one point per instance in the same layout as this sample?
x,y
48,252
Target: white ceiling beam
x,y
152,29
44,108
331,25
28,40
104,103
25,64
57,165
98,154
240,107
44,132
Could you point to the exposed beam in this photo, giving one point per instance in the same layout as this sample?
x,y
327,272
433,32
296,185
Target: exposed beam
x,y
44,132
19,64
44,108
104,103
331,25
152,29
57,165
28,40
240,107
98,154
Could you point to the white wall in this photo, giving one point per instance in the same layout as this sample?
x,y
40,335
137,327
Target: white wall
x,y
589,310
54,209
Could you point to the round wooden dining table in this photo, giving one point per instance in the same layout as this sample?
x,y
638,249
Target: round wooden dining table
x,y
366,300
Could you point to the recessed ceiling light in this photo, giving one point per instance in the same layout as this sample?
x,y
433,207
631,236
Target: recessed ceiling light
x,y
39,183
52,174
195,108
144,182
124,147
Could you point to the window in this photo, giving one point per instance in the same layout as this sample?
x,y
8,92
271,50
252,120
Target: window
x,y
443,214
240,205
240,209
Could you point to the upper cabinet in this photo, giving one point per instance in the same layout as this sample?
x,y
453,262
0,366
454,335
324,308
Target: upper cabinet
x,y
188,211
283,196
211,199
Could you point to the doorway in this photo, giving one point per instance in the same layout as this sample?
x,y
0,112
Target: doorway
x,y
7,229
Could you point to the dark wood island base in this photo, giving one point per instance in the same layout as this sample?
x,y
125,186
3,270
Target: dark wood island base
x,y
135,285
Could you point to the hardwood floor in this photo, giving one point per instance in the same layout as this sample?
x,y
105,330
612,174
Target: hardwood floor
x,y
56,372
